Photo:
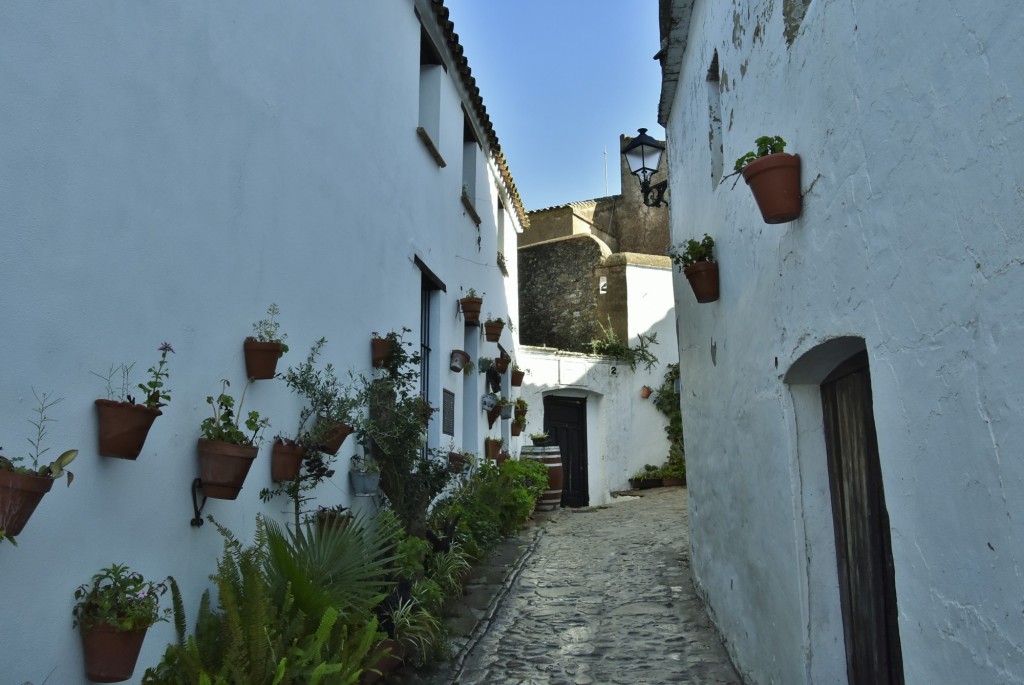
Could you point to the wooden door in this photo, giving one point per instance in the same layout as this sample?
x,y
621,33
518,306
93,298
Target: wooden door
x,y
565,421
867,586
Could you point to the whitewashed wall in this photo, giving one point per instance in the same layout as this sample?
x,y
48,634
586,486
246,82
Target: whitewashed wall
x,y
909,124
167,171
624,431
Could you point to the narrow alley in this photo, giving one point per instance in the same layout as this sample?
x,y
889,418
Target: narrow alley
x,y
602,596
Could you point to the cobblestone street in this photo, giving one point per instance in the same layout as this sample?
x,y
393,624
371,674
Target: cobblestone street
x,y
601,595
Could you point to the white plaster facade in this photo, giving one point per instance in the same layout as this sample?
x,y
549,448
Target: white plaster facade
x,y
909,123
624,431
168,171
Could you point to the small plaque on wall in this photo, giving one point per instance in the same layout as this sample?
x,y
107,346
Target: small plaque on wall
x,y
448,413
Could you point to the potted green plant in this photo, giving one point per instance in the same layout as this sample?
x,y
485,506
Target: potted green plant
x,y
673,473
485,363
774,179
520,406
645,478
539,439
459,460
265,346
506,406
518,375
470,306
518,424
226,451
123,424
382,348
492,447
458,360
697,261
114,612
21,486
501,363
333,518
493,328
364,474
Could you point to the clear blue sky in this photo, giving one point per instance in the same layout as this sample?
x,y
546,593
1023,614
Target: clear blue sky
x,y
561,80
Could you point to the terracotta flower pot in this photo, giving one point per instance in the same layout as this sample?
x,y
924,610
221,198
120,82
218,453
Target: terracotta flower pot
x,y
285,460
703,278
492,448
775,182
110,654
457,462
517,378
493,329
223,467
492,415
645,392
459,359
328,519
519,413
470,307
261,358
517,428
501,364
19,496
334,436
381,352
123,428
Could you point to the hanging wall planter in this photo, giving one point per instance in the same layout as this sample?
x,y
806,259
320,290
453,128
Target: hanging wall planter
x,y
492,448
703,278
470,307
285,460
501,364
261,358
20,494
111,654
381,352
774,179
459,359
364,482
696,259
489,401
223,467
493,329
123,428
334,437
517,376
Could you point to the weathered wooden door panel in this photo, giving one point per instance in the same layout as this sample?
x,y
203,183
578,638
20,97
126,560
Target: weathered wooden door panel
x,y
565,421
867,587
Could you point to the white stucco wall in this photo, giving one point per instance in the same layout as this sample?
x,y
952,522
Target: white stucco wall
x,y
624,431
909,124
169,170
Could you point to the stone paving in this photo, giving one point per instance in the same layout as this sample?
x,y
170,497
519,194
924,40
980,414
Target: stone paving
x,y
596,596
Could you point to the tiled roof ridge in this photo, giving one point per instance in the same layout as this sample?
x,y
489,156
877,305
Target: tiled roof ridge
x,y
466,74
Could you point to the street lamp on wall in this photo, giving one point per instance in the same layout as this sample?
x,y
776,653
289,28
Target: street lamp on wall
x,y
643,155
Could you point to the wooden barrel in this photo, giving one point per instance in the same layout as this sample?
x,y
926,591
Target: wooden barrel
x,y
550,456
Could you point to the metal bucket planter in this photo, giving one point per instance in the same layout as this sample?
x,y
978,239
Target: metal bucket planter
x,y
364,482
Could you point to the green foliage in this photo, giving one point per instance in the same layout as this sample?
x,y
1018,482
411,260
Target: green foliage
x,y
766,145
666,400
269,329
609,345
154,390
648,471
120,598
223,426
493,503
344,567
675,467
258,634
56,468
411,556
693,252
393,433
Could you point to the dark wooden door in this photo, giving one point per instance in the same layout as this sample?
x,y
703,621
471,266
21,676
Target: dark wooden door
x,y
867,586
565,422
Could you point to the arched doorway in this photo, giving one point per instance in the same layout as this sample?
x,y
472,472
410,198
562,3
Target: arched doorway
x,y
840,468
867,581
